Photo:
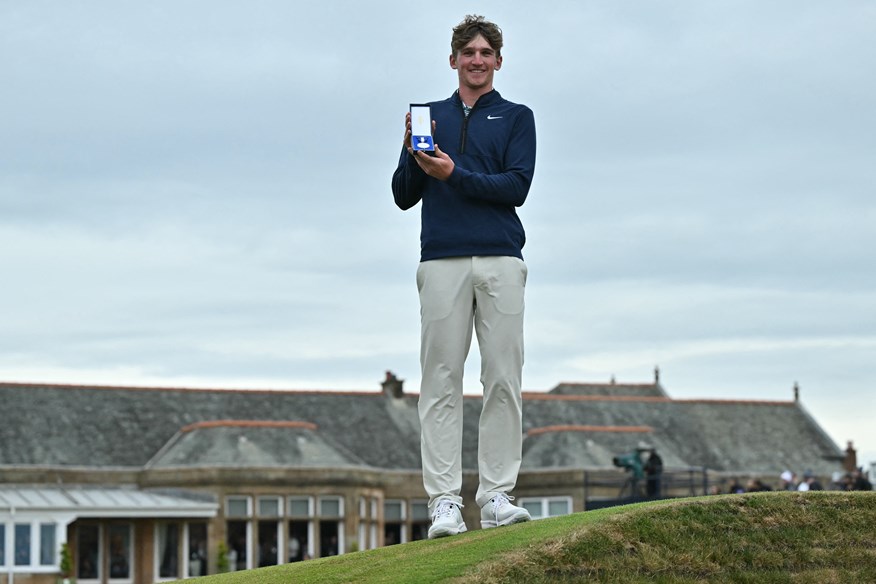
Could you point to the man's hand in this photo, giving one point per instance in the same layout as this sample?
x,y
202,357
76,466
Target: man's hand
x,y
439,166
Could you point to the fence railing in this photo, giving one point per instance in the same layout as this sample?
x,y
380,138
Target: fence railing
x,y
607,488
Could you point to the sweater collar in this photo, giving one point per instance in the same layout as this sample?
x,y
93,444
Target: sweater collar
x,y
491,96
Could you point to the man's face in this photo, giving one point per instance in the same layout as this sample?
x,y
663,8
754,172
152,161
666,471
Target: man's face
x,y
475,63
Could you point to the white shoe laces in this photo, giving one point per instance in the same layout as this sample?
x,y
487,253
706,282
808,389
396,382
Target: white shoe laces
x,y
444,509
498,501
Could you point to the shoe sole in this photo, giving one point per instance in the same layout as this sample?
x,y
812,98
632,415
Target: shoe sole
x,y
519,518
446,532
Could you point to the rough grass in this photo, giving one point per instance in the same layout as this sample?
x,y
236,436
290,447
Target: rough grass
x,y
813,537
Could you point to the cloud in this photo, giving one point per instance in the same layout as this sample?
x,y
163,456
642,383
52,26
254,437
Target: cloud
x,y
199,193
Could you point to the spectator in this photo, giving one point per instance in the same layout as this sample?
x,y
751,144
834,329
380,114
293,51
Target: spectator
x,y
653,472
787,481
735,487
836,482
810,483
859,481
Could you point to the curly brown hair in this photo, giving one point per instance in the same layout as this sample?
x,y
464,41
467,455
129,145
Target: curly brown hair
x,y
472,26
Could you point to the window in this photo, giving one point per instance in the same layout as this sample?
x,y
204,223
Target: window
x,y
197,549
419,520
238,532
270,507
29,545
167,550
120,551
299,541
88,552
22,544
269,531
269,541
547,506
557,507
300,507
330,507
331,533
393,522
363,524
47,544
237,507
237,540
180,549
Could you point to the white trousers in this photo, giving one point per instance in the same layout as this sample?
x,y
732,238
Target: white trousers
x,y
456,295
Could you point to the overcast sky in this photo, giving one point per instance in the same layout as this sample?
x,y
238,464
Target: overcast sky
x,y
198,193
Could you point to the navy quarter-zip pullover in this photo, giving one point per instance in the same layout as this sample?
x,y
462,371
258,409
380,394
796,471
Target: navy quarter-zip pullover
x,y
473,213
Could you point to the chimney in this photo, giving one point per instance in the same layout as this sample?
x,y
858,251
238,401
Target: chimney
x,y
656,375
850,462
796,392
392,385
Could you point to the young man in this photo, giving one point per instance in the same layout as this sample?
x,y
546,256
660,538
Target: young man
x,y
471,275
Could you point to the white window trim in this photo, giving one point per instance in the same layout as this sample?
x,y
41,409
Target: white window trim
x,y
363,535
35,520
545,504
311,544
185,550
281,540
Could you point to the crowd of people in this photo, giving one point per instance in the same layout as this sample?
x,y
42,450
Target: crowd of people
x,y
788,481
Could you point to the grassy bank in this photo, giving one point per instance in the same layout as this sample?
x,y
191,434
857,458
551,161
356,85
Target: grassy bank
x,y
761,537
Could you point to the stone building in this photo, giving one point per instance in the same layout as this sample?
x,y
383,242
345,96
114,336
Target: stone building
x,y
153,484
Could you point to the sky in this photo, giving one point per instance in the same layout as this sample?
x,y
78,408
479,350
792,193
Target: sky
x,y
198,194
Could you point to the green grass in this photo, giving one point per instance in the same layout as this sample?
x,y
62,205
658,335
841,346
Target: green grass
x,y
813,537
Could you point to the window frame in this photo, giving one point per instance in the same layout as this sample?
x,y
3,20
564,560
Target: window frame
x,y
100,552
157,577
339,518
545,502
401,520
132,544
237,498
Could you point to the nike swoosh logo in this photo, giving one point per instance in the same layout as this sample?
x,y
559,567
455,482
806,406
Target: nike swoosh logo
x,y
494,117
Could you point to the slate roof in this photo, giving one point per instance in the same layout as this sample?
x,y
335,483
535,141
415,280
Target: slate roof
x,y
240,444
610,389
572,426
